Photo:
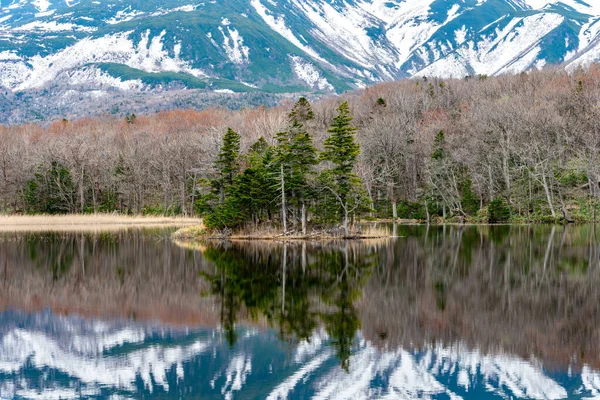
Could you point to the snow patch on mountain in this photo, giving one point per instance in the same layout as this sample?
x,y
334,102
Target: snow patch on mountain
x,y
279,26
507,376
4,19
287,386
95,77
124,16
513,48
586,7
52,26
148,55
310,75
45,13
346,31
233,44
8,55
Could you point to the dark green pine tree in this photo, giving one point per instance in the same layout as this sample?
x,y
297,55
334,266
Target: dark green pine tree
x,y
342,150
302,111
296,156
303,159
439,147
228,162
254,186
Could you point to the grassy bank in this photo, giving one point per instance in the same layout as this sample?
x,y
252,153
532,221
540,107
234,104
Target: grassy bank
x,y
87,222
197,232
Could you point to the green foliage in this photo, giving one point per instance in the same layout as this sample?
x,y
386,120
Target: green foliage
x,y
381,102
130,119
469,201
228,161
296,152
328,208
302,111
498,211
410,210
439,147
247,276
229,215
572,178
250,195
341,149
52,191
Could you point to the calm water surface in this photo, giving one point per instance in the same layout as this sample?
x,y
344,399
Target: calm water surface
x,y
436,313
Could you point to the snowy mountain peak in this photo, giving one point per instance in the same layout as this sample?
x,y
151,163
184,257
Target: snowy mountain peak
x,y
284,46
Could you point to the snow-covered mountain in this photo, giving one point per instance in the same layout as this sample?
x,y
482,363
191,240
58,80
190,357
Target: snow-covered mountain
x,y
284,45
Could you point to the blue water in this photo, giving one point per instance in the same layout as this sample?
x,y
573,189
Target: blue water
x,y
440,313
44,355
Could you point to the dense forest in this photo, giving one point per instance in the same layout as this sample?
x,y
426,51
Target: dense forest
x,y
521,148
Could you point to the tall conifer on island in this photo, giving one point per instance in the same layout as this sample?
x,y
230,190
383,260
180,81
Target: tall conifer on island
x,y
342,150
228,162
297,156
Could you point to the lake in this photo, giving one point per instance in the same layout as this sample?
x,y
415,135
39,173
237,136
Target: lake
x,y
438,312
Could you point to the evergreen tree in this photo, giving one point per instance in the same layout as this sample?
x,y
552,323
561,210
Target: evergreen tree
x,y
302,111
341,148
296,157
498,211
249,197
450,183
52,191
255,186
439,144
228,162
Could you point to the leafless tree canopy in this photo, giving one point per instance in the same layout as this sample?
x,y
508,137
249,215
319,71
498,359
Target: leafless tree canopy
x,y
532,140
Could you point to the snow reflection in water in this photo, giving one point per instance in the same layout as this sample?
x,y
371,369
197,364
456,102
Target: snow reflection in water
x,y
440,312
44,355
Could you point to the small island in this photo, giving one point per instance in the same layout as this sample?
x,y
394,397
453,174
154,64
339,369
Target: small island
x,y
288,188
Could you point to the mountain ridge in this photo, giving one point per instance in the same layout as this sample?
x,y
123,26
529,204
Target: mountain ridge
x,y
290,46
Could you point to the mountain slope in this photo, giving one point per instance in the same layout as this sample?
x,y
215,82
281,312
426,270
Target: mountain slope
x,y
284,46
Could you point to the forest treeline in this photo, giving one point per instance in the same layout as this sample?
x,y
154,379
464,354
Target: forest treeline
x,y
515,147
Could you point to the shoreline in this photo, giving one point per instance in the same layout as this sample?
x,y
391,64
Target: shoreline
x,y
199,233
88,222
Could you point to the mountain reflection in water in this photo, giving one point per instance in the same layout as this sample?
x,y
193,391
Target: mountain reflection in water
x,y
440,312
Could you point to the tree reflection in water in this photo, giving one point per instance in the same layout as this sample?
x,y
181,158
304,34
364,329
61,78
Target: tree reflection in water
x,y
524,290
528,290
295,286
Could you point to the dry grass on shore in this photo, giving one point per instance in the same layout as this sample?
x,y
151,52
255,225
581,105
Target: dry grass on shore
x,y
87,222
267,232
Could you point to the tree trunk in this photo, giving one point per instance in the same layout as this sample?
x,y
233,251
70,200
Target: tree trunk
x,y
505,167
303,218
193,199
490,183
183,197
394,210
346,233
548,194
283,212
81,191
